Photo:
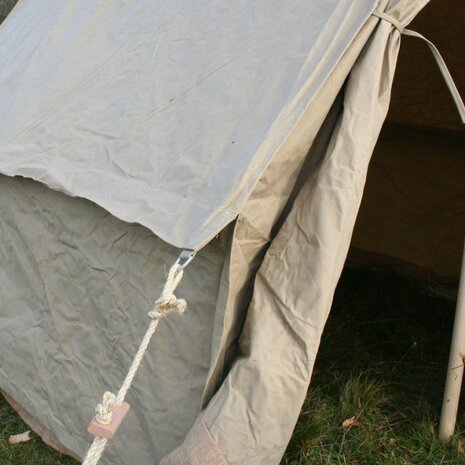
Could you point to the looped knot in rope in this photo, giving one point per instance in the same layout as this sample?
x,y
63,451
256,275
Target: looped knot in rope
x,y
104,411
168,302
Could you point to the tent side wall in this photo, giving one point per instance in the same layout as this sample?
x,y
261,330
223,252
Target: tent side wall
x,y
77,284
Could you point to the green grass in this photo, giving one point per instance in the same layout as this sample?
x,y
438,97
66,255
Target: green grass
x,y
34,452
382,360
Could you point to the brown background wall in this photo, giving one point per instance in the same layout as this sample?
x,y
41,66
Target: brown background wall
x,y
413,211
420,96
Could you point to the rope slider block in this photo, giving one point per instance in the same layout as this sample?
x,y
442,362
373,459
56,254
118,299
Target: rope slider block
x,y
110,412
108,431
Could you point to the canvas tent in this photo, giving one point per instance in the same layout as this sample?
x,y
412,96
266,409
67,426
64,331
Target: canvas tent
x,y
240,130
412,215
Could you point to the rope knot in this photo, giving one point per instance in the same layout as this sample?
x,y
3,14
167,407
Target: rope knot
x,y
104,410
164,306
168,302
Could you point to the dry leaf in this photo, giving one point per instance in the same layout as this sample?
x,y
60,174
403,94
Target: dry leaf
x,y
18,438
350,423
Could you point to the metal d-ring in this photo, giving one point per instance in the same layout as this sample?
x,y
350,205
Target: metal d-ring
x,y
187,256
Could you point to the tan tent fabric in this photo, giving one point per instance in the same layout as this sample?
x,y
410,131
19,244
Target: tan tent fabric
x,y
252,416
225,382
254,228
198,449
165,113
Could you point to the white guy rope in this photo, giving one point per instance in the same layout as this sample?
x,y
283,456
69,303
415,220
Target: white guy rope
x,y
166,304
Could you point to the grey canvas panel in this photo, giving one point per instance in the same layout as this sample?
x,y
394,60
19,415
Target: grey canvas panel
x,y
164,113
76,285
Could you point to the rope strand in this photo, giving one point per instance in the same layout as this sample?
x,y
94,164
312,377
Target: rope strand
x,y
166,303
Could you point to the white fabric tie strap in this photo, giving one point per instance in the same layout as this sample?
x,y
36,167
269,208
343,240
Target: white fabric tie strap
x,y
382,15
444,71
166,304
437,56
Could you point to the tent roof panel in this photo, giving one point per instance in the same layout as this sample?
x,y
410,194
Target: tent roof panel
x,y
163,113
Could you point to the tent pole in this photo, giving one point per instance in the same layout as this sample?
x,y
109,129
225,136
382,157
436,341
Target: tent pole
x,y
451,398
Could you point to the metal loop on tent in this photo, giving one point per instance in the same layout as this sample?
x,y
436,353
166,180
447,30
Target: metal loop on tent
x,y
187,256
